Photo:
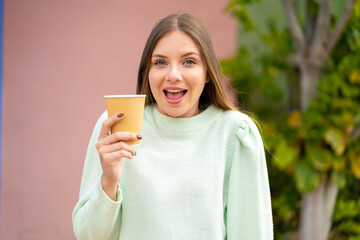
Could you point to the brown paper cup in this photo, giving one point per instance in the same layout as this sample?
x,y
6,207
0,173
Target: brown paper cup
x,y
133,108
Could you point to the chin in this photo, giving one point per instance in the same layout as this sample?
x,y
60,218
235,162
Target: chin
x,y
179,111
174,114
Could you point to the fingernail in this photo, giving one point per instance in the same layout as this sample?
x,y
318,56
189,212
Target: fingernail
x,y
139,137
135,154
120,115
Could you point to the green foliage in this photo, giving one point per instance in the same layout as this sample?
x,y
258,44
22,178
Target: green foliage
x,y
304,148
239,10
306,177
346,223
287,155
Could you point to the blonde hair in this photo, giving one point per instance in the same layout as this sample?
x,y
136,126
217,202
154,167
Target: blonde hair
x,y
214,91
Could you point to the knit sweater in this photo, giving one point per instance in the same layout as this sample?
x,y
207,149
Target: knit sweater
x,y
203,177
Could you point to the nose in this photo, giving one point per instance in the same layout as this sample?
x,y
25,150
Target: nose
x,y
174,74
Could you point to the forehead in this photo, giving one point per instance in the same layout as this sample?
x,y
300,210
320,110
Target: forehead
x,y
176,41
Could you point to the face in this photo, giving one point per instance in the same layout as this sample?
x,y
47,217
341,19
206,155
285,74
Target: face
x,y
177,75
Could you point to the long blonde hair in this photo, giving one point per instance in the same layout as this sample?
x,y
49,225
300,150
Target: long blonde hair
x,y
214,92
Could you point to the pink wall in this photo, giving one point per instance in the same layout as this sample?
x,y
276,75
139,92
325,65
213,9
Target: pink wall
x,y
60,58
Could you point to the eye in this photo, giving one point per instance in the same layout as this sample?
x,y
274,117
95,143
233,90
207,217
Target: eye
x,y
189,62
160,62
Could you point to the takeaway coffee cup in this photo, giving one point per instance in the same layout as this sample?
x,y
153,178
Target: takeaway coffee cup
x,y
133,108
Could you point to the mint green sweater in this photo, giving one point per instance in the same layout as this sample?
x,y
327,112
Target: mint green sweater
x,y
202,177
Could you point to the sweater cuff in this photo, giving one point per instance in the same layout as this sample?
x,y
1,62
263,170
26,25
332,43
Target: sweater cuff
x,y
104,198
118,194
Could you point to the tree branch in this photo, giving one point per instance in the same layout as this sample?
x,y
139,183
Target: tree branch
x,y
310,21
321,30
294,26
334,36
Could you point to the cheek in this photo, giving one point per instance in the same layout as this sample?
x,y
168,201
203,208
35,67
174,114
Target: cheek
x,y
197,79
154,82
152,79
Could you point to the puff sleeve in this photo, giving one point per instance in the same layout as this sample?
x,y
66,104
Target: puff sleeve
x,y
95,216
249,214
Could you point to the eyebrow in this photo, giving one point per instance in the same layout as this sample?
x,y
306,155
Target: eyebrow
x,y
184,55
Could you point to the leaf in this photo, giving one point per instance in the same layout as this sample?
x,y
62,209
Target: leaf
x,y
339,178
355,166
342,103
357,9
335,139
355,76
306,177
282,206
346,209
285,155
238,8
343,120
338,163
244,17
313,118
319,158
294,120
351,226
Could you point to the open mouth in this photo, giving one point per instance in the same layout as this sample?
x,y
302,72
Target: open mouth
x,y
174,95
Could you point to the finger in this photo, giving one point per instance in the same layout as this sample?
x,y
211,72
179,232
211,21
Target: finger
x,y
120,136
108,123
116,147
116,137
109,158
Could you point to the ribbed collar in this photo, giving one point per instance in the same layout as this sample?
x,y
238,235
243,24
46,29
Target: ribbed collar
x,y
185,124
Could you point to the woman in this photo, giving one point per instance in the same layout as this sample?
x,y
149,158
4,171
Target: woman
x,y
200,171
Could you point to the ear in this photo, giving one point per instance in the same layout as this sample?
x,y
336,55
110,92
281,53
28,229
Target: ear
x,y
207,78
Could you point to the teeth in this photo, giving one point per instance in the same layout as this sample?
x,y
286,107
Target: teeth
x,y
173,91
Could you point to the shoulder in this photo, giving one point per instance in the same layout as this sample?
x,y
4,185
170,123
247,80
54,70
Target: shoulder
x,y
235,117
243,127
238,120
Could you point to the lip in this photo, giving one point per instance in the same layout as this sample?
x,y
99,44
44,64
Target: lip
x,y
174,101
